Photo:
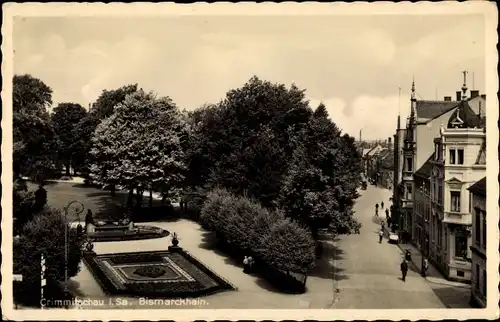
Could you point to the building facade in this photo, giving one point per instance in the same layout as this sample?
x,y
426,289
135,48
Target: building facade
x,y
456,167
478,247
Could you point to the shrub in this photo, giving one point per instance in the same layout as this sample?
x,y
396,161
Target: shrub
x,y
45,235
288,247
279,242
23,208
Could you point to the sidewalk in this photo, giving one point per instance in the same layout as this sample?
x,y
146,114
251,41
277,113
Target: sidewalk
x,y
433,275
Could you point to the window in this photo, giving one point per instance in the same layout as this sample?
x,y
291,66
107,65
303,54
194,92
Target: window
x,y
484,283
477,279
445,239
455,201
409,192
460,245
483,217
409,164
440,233
452,156
440,194
477,230
460,156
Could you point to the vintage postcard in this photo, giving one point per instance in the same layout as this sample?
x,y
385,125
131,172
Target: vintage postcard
x,y
250,161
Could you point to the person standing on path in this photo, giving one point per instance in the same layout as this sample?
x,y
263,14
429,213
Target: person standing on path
x,y
380,236
245,264
425,267
404,269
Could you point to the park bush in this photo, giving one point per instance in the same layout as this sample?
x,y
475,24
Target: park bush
x,y
267,235
44,234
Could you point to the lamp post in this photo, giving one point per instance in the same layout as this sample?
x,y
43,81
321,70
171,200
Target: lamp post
x,y
422,235
78,209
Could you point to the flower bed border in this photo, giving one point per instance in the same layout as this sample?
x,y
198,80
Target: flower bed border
x,y
155,232
148,290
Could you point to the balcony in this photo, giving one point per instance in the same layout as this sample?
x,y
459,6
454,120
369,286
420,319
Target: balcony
x,y
407,175
453,217
407,203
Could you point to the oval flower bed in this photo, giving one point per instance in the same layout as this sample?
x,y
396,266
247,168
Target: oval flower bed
x,y
139,232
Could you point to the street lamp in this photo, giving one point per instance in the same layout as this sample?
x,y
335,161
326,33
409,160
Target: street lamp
x,y
78,209
422,235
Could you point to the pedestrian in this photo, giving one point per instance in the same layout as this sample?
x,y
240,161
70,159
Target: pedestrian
x,y
250,264
386,213
380,236
425,267
245,265
382,205
404,269
376,209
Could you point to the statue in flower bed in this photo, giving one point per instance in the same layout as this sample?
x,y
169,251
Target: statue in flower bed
x,y
175,242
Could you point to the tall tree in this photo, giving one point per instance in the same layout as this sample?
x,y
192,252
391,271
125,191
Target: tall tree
x,y
140,145
35,142
321,184
251,128
109,99
65,119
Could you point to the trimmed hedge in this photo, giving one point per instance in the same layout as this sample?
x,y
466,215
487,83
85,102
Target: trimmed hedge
x,y
275,241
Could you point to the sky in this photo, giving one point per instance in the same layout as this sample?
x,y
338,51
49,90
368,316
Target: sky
x,y
355,65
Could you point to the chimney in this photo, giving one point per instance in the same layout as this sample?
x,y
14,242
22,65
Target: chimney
x,y
474,93
447,98
483,96
389,140
459,96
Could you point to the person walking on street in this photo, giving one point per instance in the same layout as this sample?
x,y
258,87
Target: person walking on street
x,y
386,213
382,205
425,267
245,265
380,236
376,209
404,269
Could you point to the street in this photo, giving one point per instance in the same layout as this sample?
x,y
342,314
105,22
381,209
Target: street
x,y
368,274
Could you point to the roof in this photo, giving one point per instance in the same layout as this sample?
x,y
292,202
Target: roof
x,y
432,109
479,188
387,159
464,117
481,156
374,150
365,151
425,170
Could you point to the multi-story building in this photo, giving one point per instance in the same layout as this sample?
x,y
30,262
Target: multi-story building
x,y
478,247
385,167
422,206
414,149
457,165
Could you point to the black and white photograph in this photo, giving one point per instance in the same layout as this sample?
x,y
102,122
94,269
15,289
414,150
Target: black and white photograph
x,y
250,161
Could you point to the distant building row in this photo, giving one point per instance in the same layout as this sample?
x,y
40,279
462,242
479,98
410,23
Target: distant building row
x,y
439,189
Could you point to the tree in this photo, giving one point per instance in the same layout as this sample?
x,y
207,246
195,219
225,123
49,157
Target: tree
x,y
44,234
110,99
30,94
140,145
249,130
35,142
322,181
65,119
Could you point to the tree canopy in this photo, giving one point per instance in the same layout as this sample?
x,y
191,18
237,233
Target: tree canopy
x,y
66,118
139,145
35,141
244,141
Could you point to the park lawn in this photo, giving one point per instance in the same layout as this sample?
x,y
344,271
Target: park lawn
x,y
100,202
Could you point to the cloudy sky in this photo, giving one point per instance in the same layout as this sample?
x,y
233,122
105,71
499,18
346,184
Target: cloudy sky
x,y
354,64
